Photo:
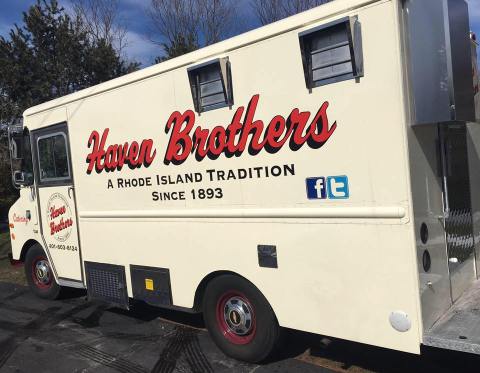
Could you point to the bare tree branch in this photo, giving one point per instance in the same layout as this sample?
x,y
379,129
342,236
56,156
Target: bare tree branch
x,y
102,21
268,11
174,18
185,25
217,19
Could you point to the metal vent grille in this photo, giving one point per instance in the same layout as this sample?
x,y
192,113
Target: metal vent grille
x,y
211,85
330,54
458,220
458,226
106,282
212,93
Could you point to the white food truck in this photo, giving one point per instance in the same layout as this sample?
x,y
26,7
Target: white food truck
x,y
321,173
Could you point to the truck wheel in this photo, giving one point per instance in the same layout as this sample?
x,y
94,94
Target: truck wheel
x,y
240,319
39,274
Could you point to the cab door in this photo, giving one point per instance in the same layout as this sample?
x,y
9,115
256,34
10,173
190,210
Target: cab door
x,y
57,208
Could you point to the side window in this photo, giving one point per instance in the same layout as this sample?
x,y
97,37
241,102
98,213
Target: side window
x,y
332,53
53,158
211,85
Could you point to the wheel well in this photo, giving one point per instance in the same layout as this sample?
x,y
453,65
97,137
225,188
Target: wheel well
x,y
25,249
199,293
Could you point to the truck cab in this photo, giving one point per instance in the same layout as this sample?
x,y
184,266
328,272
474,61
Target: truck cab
x,y
23,214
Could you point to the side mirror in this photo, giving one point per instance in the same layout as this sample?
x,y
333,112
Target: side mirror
x,y
19,178
16,147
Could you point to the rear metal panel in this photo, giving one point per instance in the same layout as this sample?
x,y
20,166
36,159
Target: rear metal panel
x,y
458,209
473,144
428,209
439,57
460,60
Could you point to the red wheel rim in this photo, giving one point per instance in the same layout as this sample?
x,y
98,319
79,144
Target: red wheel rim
x,y
41,273
236,318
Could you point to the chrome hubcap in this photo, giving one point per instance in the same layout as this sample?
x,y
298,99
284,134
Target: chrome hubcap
x,y
42,271
238,316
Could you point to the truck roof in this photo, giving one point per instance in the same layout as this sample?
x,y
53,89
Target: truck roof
x,y
323,12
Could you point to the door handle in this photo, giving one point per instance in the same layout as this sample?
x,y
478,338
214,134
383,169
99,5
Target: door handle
x,y
32,193
70,188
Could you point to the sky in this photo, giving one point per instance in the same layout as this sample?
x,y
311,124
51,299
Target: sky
x,y
140,32
132,14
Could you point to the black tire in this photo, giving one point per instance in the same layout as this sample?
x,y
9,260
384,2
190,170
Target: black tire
x,y
46,287
259,338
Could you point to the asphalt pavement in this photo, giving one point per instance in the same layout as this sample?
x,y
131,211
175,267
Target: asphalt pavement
x,y
75,335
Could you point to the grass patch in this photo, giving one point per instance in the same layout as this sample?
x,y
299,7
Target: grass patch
x,y
4,244
7,272
13,275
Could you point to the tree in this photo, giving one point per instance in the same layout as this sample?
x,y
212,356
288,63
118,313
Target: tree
x,y
268,11
186,25
217,19
178,47
49,56
176,21
101,21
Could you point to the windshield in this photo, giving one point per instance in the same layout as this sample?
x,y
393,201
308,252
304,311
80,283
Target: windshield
x,y
20,156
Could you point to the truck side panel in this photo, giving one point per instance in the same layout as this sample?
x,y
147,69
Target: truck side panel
x,y
344,264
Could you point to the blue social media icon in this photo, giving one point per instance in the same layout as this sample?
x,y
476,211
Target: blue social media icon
x,y
330,187
337,187
316,188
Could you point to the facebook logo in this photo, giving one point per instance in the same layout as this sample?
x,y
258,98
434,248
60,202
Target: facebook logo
x,y
331,187
316,188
